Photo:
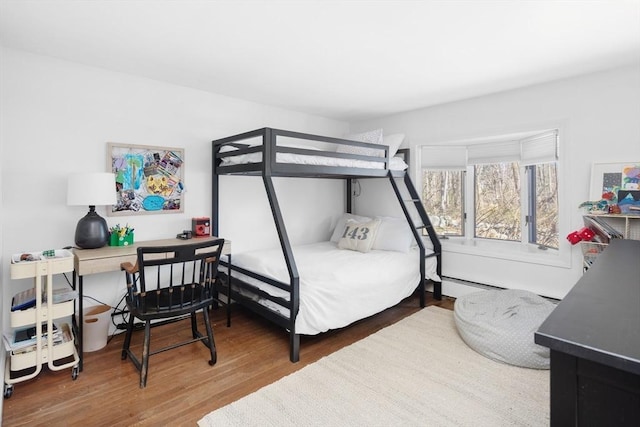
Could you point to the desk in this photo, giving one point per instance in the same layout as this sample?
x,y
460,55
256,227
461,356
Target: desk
x,y
108,259
594,338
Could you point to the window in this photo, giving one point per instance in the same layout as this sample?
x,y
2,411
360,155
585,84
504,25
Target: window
x,y
543,213
497,201
443,200
512,188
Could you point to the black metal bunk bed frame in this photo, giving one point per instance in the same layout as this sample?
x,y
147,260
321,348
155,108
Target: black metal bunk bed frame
x,y
271,168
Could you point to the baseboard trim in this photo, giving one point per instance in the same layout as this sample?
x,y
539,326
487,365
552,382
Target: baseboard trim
x,y
455,288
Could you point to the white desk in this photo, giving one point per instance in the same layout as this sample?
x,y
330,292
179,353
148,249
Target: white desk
x,y
108,259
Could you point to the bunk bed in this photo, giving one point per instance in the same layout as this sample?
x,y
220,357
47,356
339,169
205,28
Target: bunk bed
x,y
291,286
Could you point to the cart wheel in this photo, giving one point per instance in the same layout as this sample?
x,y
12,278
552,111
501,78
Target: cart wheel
x,y
8,390
74,373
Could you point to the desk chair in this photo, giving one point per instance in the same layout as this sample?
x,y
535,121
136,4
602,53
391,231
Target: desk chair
x,y
171,282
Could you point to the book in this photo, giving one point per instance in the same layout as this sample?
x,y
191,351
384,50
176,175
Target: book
x,y
26,337
30,333
23,300
27,299
63,294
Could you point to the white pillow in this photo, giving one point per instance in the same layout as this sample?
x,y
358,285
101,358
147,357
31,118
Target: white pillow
x,y
394,234
359,236
342,221
394,142
373,137
397,164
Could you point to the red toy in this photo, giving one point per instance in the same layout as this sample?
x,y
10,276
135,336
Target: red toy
x,y
584,233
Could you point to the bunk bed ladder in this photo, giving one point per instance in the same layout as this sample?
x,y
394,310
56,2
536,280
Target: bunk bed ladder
x,y
425,224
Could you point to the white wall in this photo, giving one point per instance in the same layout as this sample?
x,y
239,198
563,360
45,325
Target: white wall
x,y
598,116
2,281
57,118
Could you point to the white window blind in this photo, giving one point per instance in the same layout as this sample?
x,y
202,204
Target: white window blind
x,y
539,148
493,152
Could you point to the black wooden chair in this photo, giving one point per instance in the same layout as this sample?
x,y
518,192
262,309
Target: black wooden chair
x,y
169,283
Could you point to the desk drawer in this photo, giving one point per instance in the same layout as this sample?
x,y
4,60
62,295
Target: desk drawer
x,y
102,265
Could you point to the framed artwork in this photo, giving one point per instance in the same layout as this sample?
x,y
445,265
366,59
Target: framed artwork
x,y
149,180
619,183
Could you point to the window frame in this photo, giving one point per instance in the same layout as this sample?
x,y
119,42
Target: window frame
x,y
528,206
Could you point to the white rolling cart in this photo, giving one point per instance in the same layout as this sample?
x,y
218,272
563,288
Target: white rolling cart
x,y
59,356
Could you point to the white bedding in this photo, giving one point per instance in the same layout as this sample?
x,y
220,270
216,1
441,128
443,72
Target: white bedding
x,y
337,286
395,163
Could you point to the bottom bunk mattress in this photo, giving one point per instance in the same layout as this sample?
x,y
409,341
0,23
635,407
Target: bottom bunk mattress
x,y
337,286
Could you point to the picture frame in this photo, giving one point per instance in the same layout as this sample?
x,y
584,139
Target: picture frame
x,y
608,178
149,179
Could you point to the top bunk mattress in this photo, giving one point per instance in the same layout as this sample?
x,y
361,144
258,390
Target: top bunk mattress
x,y
337,286
286,153
395,163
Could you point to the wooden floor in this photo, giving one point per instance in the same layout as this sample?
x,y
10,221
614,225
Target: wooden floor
x,y
182,387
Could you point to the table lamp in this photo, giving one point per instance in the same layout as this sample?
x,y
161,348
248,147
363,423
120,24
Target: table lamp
x,y
91,189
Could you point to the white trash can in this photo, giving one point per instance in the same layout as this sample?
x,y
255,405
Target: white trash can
x,y
95,327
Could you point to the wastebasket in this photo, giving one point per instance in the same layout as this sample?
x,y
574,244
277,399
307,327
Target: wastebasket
x,y
95,327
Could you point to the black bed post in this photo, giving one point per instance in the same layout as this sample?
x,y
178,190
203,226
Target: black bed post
x,y
269,142
349,192
215,201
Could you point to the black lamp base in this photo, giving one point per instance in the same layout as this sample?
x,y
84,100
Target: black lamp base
x,y
92,231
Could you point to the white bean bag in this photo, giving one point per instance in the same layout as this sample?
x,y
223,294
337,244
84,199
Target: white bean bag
x,y
500,324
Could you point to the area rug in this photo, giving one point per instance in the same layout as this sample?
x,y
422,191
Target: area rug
x,y
417,372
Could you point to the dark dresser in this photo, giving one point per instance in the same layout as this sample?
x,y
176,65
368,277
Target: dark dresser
x,y
594,338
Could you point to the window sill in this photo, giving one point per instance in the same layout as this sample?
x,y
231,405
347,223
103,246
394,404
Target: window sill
x,y
511,251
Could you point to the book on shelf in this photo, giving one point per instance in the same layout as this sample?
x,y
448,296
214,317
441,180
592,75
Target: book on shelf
x,y
63,295
603,231
27,299
24,300
27,337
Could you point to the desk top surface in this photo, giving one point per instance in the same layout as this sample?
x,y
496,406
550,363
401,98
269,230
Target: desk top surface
x,y
109,258
599,319
119,251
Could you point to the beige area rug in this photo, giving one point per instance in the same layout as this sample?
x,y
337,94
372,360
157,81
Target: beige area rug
x,y
417,372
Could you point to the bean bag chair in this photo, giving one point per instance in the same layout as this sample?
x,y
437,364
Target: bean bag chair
x,y
500,324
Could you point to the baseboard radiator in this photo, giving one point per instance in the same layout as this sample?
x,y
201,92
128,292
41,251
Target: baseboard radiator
x,y
457,287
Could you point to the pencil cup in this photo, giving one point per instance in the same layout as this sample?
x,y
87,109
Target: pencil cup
x,y
115,239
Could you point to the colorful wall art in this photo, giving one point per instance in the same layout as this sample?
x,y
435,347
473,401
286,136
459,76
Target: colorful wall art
x,y
149,180
618,184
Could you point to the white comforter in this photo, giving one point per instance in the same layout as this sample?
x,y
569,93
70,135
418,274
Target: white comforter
x,y
337,286
395,163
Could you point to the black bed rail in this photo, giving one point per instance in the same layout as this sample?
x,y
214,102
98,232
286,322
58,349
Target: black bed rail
x,y
268,142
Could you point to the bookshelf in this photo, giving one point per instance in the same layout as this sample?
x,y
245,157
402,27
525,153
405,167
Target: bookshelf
x,y
607,227
57,349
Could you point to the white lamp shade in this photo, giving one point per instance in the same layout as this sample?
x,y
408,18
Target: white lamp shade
x,y
91,189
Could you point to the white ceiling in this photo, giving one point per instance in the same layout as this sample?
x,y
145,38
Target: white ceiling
x,y
349,60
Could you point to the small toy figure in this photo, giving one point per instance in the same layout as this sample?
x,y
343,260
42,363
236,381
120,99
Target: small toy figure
x,y
600,206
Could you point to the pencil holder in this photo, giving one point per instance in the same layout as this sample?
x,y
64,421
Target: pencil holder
x,y
115,239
